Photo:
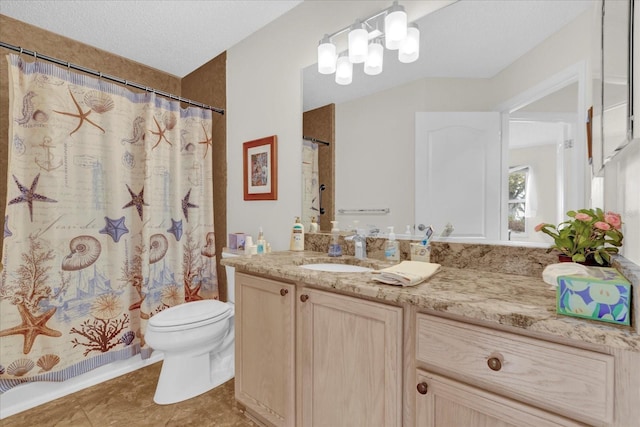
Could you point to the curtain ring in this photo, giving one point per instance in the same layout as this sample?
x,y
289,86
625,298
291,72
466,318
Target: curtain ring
x,y
35,55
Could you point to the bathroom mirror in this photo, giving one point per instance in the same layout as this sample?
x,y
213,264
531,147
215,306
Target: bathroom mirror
x,y
478,56
613,100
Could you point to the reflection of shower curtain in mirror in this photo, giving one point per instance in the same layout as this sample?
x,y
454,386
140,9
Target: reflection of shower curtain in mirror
x,y
310,184
109,220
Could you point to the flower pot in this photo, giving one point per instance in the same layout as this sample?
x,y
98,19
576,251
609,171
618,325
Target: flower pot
x,y
590,261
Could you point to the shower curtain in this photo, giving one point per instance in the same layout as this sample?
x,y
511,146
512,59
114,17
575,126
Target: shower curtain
x,y
310,183
109,220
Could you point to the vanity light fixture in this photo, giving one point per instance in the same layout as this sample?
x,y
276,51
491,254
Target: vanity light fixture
x,y
395,26
326,56
409,49
373,63
365,44
344,70
358,43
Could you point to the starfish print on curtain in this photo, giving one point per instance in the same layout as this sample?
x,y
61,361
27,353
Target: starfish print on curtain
x,y
31,327
115,228
160,134
207,142
137,200
97,101
29,195
186,205
176,229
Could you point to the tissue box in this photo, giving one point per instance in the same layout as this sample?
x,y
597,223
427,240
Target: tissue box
x,y
236,241
603,296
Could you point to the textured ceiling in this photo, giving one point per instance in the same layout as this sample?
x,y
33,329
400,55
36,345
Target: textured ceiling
x,y
469,38
172,36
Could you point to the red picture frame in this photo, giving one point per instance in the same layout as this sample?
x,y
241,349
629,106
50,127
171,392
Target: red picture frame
x,y
260,168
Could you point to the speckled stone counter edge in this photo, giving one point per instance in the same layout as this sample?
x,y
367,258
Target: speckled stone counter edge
x,y
510,290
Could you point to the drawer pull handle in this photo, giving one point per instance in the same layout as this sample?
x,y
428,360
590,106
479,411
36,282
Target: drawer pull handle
x,y
422,388
494,363
283,291
304,297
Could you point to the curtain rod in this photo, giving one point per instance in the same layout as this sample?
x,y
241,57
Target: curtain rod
x,y
36,55
308,138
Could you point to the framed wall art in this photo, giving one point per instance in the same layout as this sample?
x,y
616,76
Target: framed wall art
x,y
260,158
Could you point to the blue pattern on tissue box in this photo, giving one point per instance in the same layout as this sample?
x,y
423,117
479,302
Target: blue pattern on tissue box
x,y
605,296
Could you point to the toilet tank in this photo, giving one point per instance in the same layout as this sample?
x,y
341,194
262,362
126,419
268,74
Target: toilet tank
x,y
231,278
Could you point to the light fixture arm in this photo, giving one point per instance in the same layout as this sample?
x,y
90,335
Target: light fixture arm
x,y
364,21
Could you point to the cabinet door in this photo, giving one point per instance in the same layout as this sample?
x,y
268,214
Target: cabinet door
x,y
349,370
441,402
264,345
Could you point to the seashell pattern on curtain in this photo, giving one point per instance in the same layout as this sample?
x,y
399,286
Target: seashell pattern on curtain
x,y
109,220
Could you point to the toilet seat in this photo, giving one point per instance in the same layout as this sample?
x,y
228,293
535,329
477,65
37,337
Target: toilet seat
x,y
191,315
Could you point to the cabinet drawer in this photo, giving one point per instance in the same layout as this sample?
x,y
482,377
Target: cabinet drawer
x,y
573,382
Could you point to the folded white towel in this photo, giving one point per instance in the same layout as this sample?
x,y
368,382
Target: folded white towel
x,y
407,273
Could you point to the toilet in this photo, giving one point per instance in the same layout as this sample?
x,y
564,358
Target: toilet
x,y
197,339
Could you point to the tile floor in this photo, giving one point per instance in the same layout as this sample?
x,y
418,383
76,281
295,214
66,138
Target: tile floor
x,y
128,401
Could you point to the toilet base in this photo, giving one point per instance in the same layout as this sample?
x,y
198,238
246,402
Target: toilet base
x,y
181,377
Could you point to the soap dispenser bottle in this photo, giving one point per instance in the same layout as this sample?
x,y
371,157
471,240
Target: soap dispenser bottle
x,y
297,236
335,249
391,249
313,228
261,244
360,243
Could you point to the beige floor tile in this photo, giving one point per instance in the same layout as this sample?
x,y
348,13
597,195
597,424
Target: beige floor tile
x,y
128,401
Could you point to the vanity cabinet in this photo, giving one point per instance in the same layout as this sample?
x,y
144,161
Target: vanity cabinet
x,y
349,366
471,375
264,349
443,402
307,357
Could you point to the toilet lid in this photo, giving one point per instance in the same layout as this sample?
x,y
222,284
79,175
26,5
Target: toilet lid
x,y
191,312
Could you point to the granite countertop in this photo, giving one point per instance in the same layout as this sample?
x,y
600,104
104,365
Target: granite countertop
x,y
524,302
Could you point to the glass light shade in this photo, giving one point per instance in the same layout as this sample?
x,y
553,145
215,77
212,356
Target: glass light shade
x,y
410,46
344,70
326,56
395,26
373,64
358,43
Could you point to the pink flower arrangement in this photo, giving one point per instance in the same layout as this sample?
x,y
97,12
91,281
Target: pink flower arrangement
x,y
588,234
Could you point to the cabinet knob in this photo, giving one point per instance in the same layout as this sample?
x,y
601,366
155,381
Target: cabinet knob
x,y
422,388
494,363
304,297
284,291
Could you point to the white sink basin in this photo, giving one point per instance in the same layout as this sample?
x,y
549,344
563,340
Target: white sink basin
x,y
336,268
